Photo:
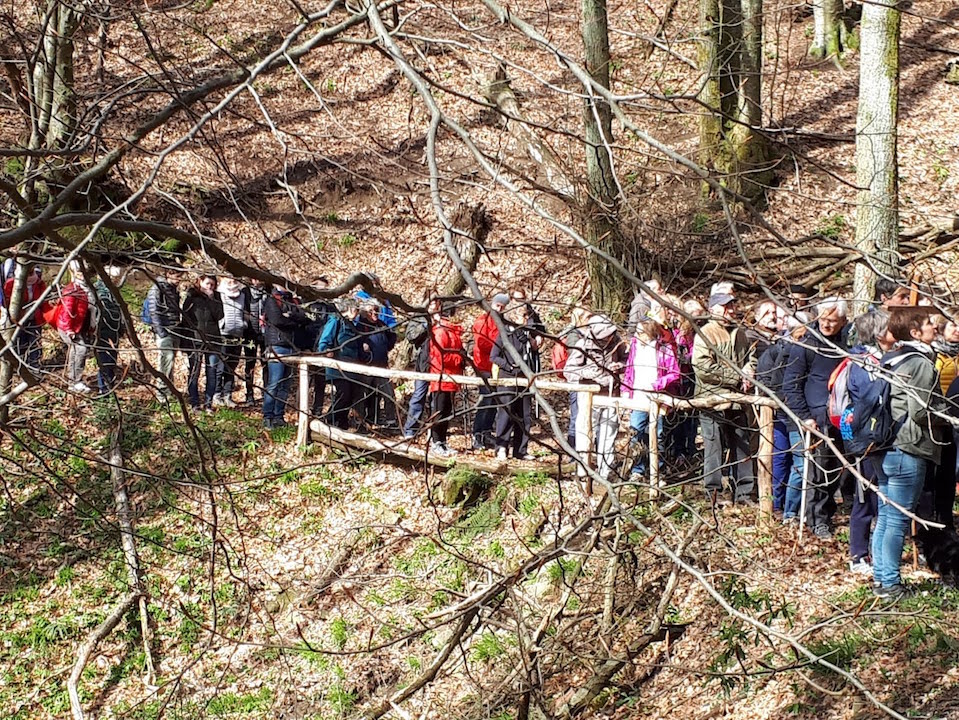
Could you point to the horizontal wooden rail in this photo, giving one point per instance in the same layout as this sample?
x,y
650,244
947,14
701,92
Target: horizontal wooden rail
x,y
653,402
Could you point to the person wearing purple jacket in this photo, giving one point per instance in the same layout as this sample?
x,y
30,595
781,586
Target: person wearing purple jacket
x,y
651,366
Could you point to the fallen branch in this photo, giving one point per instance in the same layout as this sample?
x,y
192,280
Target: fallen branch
x,y
89,645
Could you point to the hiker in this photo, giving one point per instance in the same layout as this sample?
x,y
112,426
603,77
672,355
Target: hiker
x,y
679,426
379,402
651,366
446,358
108,332
913,398
720,360
28,347
253,345
281,318
341,340
417,334
318,312
599,357
201,315
513,405
161,311
806,393
567,338
75,322
485,334
946,345
233,329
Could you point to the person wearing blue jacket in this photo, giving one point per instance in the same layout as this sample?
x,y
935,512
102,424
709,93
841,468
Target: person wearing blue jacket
x,y
806,393
282,316
341,340
379,402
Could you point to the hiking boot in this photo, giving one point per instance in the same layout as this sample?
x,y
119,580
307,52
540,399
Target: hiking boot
x,y
891,592
218,400
822,532
267,423
228,401
860,567
440,450
81,387
501,453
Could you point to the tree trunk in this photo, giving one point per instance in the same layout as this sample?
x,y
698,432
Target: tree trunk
x,y
828,29
611,291
731,61
877,214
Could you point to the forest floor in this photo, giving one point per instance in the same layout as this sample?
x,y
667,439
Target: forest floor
x,y
313,585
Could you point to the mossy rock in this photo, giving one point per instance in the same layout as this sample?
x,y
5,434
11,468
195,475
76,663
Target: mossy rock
x,y
463,485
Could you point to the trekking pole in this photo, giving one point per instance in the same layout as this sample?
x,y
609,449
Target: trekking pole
x,y
807,442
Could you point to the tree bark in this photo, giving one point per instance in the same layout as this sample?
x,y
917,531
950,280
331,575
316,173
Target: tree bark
x,y
731,62
877,214
610,290
828,29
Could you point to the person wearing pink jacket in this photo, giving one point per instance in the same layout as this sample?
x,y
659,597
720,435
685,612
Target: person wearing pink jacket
x,y
651,366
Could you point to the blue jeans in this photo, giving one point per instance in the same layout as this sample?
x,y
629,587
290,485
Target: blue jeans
x,y
639,424
485,417
900,479
793,499
209,360
278,377
421,388
782,463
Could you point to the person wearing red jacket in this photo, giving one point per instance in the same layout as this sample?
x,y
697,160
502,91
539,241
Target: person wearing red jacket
x,y
446,358
485,333
74,322
31,314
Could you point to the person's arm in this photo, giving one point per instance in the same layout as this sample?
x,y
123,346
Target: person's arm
x,y
668,372
795,376
922,383
709,368
498,354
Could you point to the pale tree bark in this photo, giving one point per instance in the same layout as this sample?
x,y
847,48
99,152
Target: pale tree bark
x,y
610,290
828,29
877,214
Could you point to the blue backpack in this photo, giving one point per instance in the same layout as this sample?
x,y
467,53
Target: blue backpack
x,y
146,314
867,425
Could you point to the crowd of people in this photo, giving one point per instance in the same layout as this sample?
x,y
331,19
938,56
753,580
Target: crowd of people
x,y
863,404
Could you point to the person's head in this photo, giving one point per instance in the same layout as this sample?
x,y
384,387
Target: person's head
x,y
34,275
950,329
580,317
499,302
798,296
722,306
766,315
602,330
518,295
871,326
891,293
349,308
831,314
694,307
257,283
648,331
912,323
206,284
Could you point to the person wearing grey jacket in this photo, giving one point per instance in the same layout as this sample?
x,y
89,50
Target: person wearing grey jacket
x,y
914,397
233,328
599,357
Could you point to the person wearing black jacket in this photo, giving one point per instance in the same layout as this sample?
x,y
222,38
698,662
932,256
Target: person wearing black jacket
x,y
769,372
281,319
417,333
379,403
512,415
318,312
258,292
202,312
810,363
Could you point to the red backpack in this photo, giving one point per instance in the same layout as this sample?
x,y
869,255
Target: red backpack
x,y
559,356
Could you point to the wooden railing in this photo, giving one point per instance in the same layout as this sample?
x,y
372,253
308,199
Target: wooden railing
x,y
653,403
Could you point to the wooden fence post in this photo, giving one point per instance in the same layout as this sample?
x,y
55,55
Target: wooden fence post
x,y
765,465
303,416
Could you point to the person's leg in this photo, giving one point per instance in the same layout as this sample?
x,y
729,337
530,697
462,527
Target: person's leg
x,y
945,486
740,433
107,368
386,401
573,409
231,359
905,475
828,469
485,417
860,519
442,411
194,362
782,464
607,427
421,389
502,428
639,425
282,393
250,353
583,423
523,425
213,365
340,405
793,500
166,352
712,452
272,408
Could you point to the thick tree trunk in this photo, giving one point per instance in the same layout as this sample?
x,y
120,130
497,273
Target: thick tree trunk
x,y
731,61
877,214
828,29
611,291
